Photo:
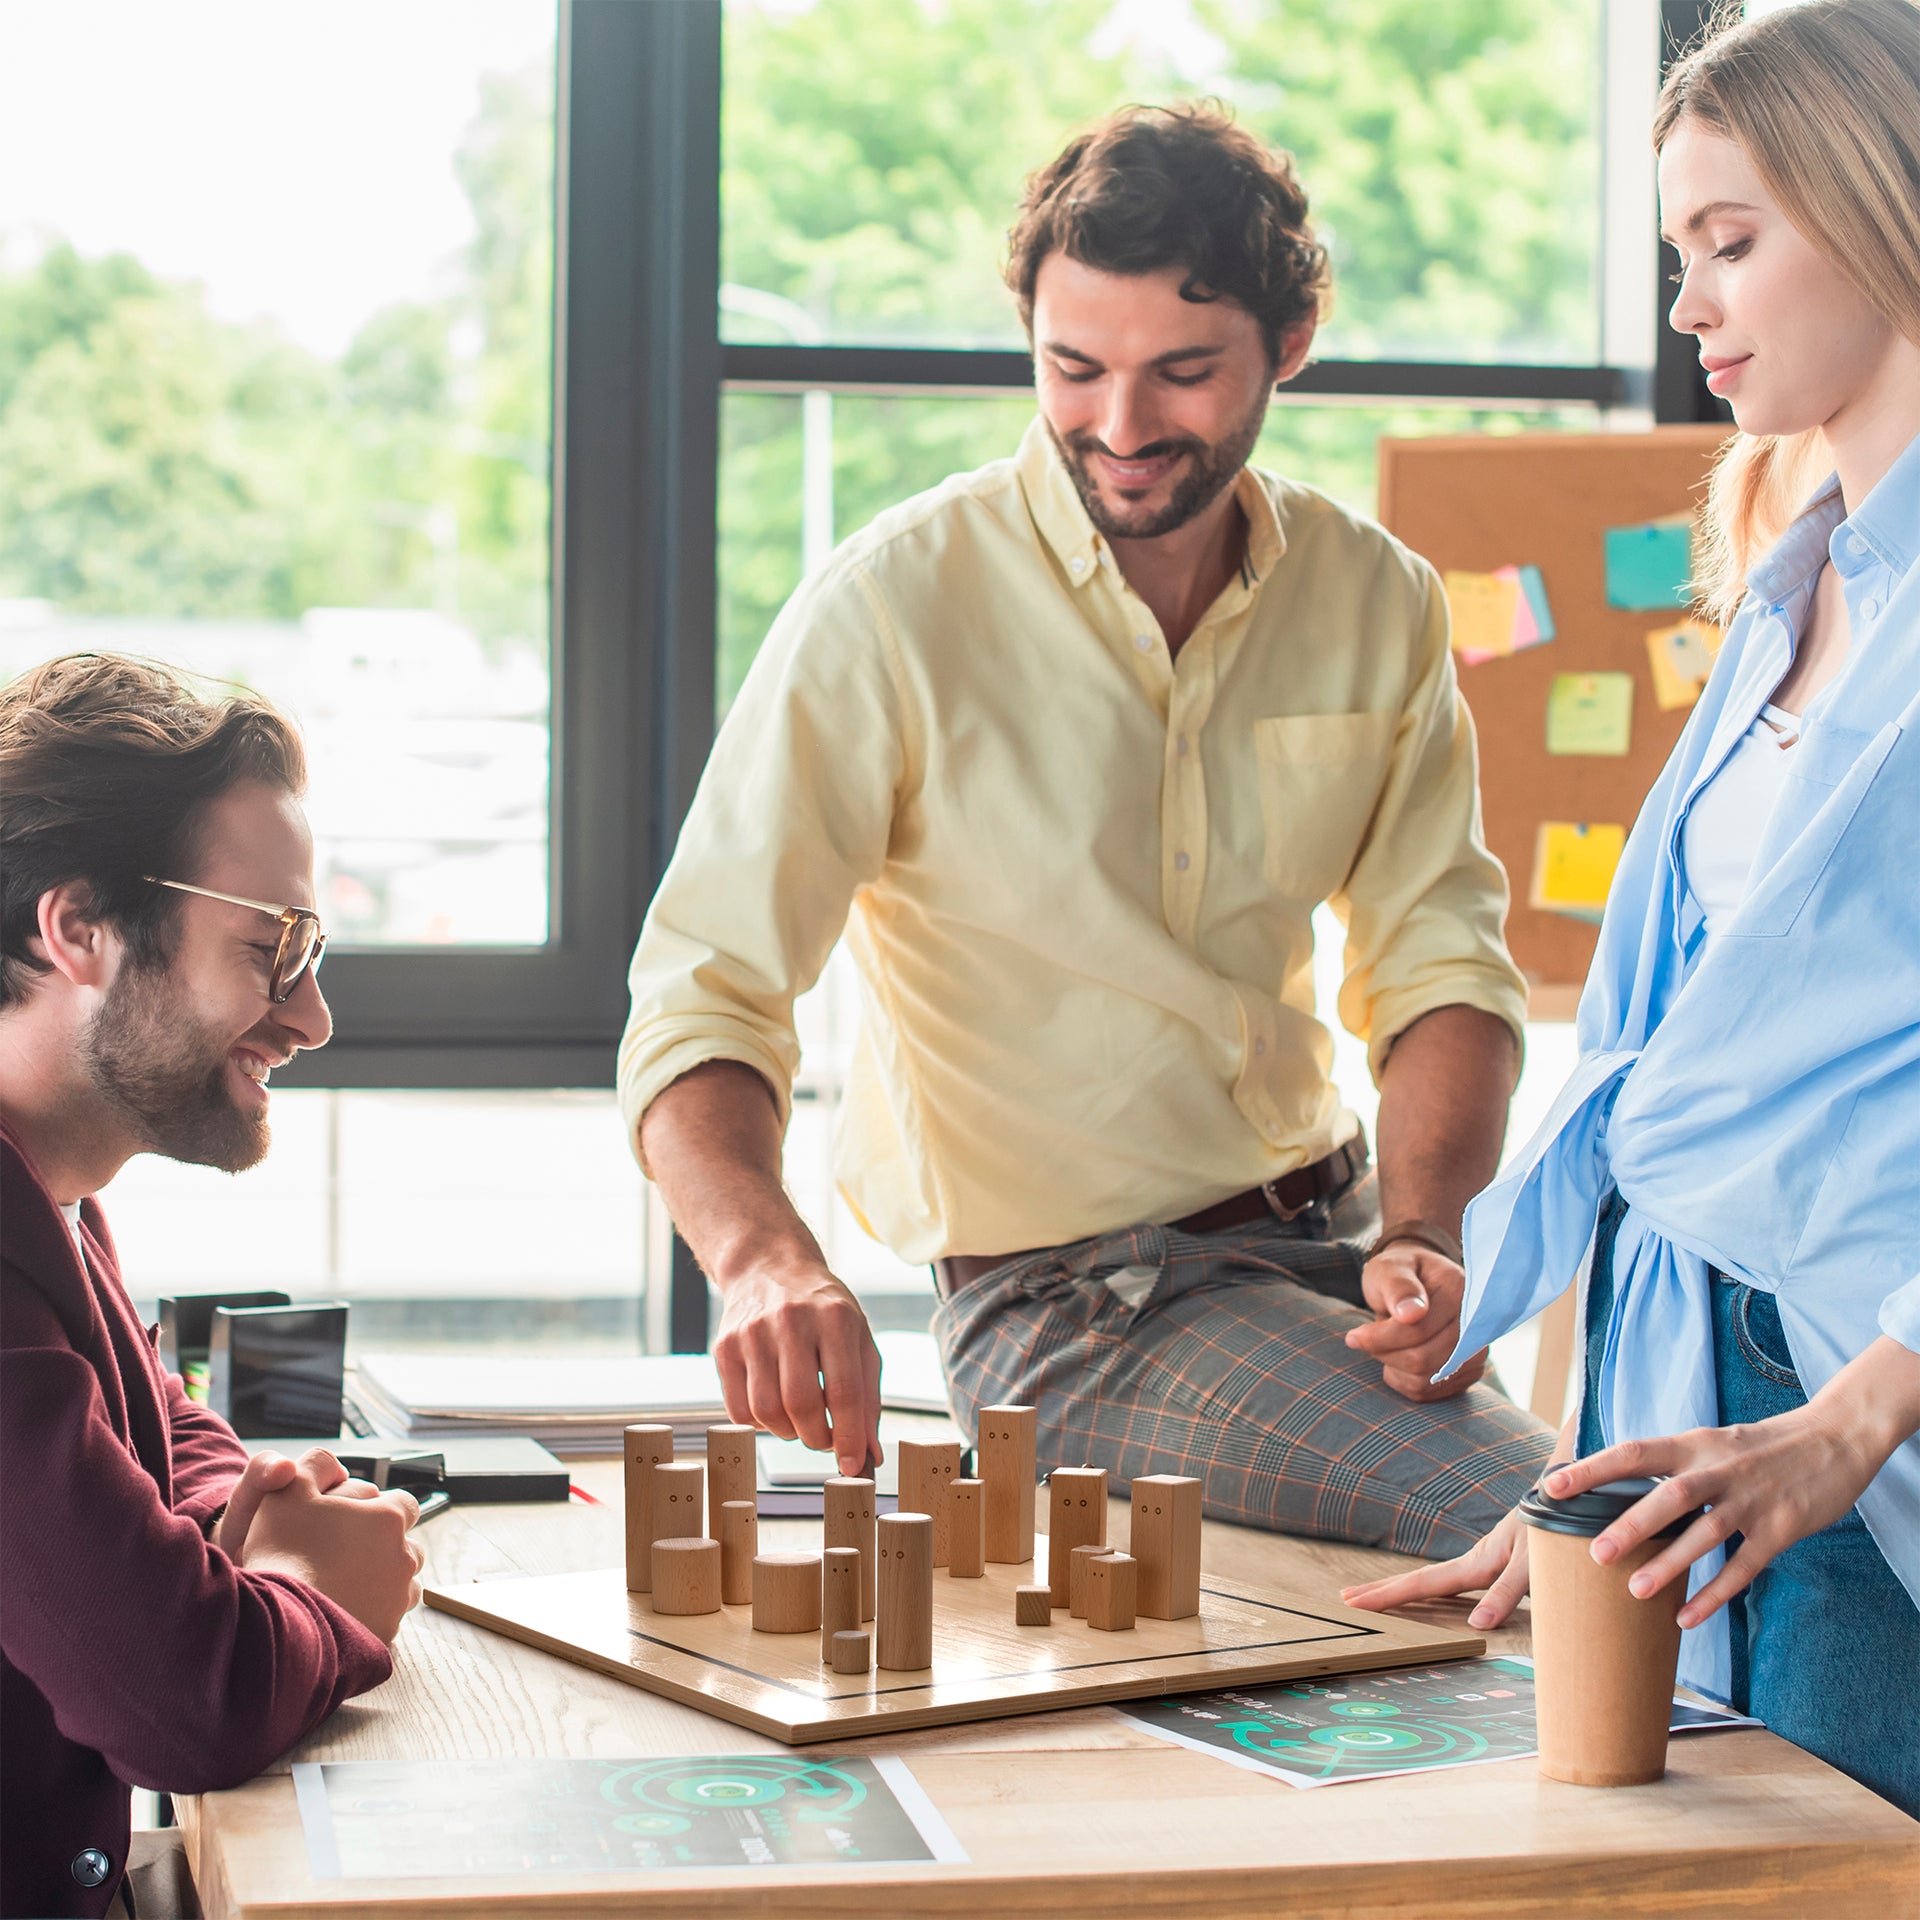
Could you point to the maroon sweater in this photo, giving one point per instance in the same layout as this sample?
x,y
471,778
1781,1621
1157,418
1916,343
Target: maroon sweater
x,y
132,1651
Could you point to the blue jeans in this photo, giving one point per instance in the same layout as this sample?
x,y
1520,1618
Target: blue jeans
x,y
1826,1641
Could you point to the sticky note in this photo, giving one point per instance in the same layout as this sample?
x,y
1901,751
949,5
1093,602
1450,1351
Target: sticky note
x,y
1573,866
1650,565
1590,713
1533,590
1482,605
1681,658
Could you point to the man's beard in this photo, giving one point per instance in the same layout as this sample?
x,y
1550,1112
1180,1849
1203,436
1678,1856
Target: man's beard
x,y
166,1076
1212,467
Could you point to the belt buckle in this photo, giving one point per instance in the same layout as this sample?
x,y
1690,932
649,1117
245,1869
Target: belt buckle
x,y
1279,1208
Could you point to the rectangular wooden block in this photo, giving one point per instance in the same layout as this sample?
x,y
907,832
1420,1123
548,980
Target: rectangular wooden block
x,y
1008,1437
967,1544
1113,1588
1166,1542
928,1469
1032,1607
1076,1517
733,1470
642,1449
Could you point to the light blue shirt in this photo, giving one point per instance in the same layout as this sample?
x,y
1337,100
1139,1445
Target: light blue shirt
x,y
1756,1098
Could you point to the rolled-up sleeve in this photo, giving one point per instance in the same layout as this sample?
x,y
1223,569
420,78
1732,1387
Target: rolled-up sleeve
x,y
793,814
1425,904
1900,1314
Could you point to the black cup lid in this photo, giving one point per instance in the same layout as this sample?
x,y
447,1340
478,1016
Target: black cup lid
x,y
1591,1513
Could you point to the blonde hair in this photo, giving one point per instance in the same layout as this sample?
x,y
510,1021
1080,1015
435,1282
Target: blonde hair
x,y
1824,97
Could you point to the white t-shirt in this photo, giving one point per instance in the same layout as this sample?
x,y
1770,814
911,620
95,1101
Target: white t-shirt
x,y
1730,813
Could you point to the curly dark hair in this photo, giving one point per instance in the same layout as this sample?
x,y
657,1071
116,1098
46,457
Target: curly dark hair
x,y
1179,186
107,765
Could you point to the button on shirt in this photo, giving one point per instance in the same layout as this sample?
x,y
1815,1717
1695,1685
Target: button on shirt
x,y
1076,871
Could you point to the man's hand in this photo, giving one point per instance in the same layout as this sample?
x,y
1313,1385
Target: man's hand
x,y
792,1346
1415,1294
269,1472
351,1545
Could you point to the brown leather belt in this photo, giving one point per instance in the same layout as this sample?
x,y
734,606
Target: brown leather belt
x,y
1279,1199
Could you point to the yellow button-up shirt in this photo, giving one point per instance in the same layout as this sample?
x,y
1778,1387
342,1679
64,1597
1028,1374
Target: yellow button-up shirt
x,y
1077,872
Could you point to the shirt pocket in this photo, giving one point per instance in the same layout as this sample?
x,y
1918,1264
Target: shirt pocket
x,y
1320,780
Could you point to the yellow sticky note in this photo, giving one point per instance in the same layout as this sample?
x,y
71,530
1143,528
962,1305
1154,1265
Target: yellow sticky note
x,y
1590,713
1483,607
1681,658
1573,866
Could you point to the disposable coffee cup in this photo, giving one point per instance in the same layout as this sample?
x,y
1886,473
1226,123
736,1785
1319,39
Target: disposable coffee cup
x,y
1603,1661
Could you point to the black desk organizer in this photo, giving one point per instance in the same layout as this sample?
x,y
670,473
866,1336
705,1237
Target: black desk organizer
x,y
274,1369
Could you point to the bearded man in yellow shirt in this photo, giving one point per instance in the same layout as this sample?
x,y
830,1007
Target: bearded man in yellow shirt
x,y
1070,748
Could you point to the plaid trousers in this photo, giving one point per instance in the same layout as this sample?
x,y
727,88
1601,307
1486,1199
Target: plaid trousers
x,y
1233,1370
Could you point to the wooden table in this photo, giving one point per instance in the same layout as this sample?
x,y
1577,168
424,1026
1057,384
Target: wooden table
x,y
1078,1812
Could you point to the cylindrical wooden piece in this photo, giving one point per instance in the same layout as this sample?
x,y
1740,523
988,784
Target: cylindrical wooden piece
x,y
1032,1607
848,1508
1166,1541
904,1642
642,1449
928,1469
1008,1436
1113,1591
967,1544
1077,1578
739,1542
1076,1517
679,1500
852,1651
786,1593
839,1595
686,1576
733,1470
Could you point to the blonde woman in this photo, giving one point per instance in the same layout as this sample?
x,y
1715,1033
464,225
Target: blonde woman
x,y
1739,1148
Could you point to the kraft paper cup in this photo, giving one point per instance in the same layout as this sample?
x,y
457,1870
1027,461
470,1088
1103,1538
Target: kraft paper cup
x,y
1603,1662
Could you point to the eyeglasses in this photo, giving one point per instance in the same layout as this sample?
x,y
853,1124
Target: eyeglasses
x,y
303,941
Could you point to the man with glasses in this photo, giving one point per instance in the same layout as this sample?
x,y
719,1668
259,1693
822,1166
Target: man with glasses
x,y
171,1613
1072,748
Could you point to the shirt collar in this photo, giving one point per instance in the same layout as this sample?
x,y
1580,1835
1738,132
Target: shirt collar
x,y
1062,520
1885,520
1882,523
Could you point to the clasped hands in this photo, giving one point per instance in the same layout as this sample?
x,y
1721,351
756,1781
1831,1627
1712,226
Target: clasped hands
x,y
309,1519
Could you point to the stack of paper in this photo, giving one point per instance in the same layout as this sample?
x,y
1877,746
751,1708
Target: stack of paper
x,y
570,1403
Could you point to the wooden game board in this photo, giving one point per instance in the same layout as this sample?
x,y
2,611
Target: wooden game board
x,y
984,1668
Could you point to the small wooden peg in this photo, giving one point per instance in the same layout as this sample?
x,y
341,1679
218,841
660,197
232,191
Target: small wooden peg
x,y
1032,1607
733,1470
739,1542
904,1643
1076,1517
786,1593
1077,1579
839,1595
1007,1440
1166,1541
686,1576
967,1541
852,1651
928,1469
1113,1586
847,1505
679,1500
642,1449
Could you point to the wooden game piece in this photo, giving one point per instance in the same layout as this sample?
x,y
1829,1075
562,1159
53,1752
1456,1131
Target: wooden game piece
x,y
686,1576
679,1500
904,1643
1077,1577
733,1470
643,1448
1113,1592
1166,1542
739,1542
967,1541
928,1469
1076,1517
852,1651
1032,1607
839,1595
847,1505
786,1593
1007,1441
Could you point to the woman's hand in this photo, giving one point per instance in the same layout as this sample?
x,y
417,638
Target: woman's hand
x,y
1497,1561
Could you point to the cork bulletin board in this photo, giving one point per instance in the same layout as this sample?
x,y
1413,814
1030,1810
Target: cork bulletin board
x,y
1477,503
